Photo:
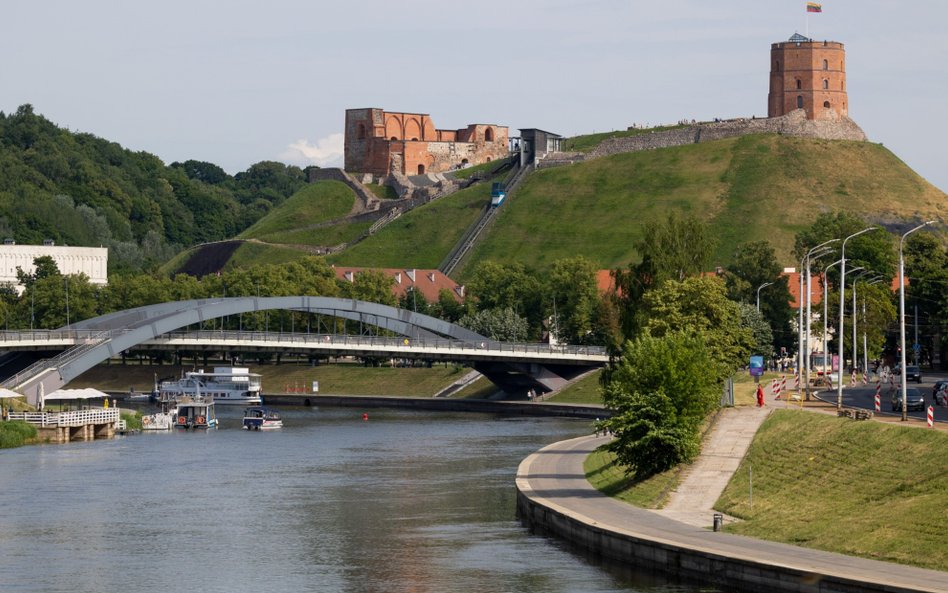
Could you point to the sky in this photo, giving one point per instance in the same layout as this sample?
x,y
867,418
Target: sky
x,y
238,82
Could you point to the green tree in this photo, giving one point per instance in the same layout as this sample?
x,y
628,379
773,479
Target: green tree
x,y
660,392
763,337
754,265
671,250
926,267
873,250
575,298
700,305
497,286
497,324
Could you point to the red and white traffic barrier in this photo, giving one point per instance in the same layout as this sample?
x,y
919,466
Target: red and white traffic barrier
x,y
931,416
878,398
783,383
865,379
796,381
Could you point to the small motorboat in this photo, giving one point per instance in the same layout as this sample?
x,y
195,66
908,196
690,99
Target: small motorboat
x,y
195,413
261,418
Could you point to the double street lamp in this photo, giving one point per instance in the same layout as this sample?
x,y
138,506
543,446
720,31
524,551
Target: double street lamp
x,y
804,338
842,304
902,313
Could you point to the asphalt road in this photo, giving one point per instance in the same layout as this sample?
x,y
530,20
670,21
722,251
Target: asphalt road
x,y
863,396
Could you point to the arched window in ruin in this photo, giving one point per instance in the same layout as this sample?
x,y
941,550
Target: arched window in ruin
x,y
826,84
393,138
777,66
799,84
488,159
414,139
464,161
799,101
826,65
360,133
489,135
826,104
421,169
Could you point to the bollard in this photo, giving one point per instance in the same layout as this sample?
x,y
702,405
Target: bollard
x,y
718,521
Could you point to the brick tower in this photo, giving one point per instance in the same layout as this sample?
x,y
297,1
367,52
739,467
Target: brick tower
x,y
808,75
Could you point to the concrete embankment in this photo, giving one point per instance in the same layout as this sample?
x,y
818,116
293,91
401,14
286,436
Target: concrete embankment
x,y
508,408
554,497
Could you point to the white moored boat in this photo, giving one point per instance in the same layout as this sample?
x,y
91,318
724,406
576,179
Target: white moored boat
x,y
226,385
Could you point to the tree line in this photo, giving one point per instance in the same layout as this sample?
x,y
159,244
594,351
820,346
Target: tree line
x,y
77,189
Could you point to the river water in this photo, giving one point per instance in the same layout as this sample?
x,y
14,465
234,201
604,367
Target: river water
x,y
404,502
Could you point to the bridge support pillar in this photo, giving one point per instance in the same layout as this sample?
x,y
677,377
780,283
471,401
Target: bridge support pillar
x,y
516,379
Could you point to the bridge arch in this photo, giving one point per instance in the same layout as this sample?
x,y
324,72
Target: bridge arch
x,y
145,323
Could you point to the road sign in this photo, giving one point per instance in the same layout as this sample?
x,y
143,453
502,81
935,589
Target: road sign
x,y
756,366
917,347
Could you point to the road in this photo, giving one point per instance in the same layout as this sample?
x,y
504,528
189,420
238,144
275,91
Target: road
x,y
863,396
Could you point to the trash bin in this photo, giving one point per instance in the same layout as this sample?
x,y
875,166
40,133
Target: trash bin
x,y
718,521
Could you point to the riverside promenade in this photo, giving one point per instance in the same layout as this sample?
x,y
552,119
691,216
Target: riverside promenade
x,y
553,496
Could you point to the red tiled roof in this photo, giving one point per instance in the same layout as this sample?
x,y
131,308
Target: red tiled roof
x,y
427,282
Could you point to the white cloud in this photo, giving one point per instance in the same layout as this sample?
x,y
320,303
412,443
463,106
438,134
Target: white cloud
x,y
325,152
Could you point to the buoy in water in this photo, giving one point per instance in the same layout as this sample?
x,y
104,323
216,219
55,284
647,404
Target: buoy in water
x,y
365,416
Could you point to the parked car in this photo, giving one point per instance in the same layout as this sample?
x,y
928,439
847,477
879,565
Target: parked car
x,y
912,373
914,400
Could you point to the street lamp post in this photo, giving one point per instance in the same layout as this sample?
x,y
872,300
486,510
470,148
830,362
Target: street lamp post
x,y
814,253
764,285
855,321
842,304
902,312
825,323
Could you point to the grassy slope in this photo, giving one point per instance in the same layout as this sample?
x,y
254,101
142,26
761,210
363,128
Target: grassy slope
x,y
742,186
861,488
315,203
865,489
597,208
423,237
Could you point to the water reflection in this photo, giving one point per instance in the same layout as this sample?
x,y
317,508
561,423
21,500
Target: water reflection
x,y
404,502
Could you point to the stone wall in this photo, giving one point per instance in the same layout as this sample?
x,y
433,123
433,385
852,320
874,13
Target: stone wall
x,y
792,124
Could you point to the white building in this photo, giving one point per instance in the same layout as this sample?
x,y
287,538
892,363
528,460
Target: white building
x,y
91,261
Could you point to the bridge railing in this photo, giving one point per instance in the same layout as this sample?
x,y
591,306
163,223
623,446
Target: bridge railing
x,y
84,340
394,343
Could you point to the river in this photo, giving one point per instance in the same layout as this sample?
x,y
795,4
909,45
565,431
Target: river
x,y
404,502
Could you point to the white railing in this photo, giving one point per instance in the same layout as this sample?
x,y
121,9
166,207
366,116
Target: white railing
x,y
76,418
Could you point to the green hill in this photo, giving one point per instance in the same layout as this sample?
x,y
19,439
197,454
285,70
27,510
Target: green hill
x,y
748,188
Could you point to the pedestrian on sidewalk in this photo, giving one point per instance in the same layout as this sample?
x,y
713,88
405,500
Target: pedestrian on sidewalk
x,y
760,396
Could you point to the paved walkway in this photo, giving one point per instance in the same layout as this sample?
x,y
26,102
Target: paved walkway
x,y
721,453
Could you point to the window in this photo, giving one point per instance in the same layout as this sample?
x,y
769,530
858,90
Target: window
x,y
826,104
826,65
361,132
826,84
777,66
394,138
489,135
799,101
421,169
799,84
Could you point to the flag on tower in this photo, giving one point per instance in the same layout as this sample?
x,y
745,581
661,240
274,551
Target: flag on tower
x,y
814,7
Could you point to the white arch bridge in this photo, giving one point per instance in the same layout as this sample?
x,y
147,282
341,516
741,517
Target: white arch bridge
x,y
513,367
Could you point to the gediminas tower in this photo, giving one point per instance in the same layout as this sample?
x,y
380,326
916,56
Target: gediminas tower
x,y
808,75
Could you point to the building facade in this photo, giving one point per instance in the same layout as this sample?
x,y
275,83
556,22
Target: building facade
x,y
808,75
91,261
381,142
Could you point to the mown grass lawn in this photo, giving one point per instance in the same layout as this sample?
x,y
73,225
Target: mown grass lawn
x,y
317,202
583,391
866,489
